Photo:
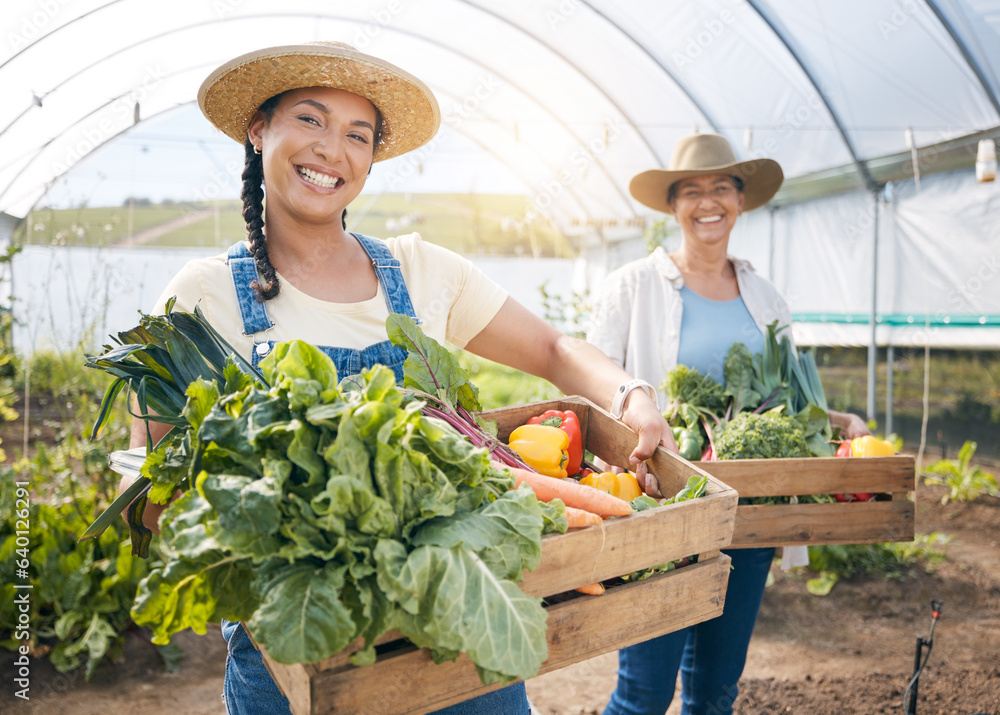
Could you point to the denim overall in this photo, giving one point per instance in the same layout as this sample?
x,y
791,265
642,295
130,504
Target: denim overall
x,y
248,688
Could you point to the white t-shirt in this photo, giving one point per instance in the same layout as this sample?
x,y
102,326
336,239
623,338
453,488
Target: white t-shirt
x,y
453,298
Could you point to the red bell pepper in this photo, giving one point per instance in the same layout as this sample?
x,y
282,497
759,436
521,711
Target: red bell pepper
x,y
845,450
569,423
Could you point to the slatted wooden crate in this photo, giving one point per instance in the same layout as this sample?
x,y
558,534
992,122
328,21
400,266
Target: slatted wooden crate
x,y
404,679
888,518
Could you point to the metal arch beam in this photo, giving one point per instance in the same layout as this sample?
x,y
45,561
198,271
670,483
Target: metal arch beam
x,y
408,33
666,70
495,154
970,60
548,46
782,36
44,146
50,34
581,204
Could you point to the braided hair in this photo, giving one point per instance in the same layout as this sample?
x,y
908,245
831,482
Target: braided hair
x,y
253,212
252,195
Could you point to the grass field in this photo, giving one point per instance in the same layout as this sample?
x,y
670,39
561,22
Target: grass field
x,y
466,223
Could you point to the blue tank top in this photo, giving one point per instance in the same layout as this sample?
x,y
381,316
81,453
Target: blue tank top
x,y
709,328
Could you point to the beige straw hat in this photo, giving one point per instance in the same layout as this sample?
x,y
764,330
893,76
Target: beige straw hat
x,y
701,154
230,96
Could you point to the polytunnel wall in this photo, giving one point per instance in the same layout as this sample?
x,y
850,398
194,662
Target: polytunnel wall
x,y
564,101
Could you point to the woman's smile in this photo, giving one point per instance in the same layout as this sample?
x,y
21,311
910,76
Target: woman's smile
x,y
318,177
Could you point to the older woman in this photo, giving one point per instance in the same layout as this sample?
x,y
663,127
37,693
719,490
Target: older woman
x,y
688,307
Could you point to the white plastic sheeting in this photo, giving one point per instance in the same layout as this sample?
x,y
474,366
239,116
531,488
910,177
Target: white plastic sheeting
x,y
569,98
564,101
65,298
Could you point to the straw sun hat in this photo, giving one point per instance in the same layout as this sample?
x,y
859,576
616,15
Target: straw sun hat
x,y
230,96
701,154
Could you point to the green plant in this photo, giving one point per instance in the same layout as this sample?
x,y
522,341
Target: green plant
x,y
665,232
891,560
82,593
7,363
964,480
568,311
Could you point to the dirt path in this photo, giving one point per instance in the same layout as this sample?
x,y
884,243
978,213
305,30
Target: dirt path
x,y
844,654
154,232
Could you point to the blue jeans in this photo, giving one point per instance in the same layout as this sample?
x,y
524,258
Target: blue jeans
x,y
250,690
710,655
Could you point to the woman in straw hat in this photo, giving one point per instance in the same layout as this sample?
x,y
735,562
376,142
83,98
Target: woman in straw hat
x,y
312,119
687,308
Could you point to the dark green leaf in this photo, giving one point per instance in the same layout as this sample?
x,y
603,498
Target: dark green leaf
x,y
430,367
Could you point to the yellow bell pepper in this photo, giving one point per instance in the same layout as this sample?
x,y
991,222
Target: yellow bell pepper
x,y
869,446
624,486
543,448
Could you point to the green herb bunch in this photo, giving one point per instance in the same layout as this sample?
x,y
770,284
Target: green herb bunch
x,y
776,379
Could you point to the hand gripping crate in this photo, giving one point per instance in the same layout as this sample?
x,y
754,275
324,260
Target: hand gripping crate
x,y
887,517
404,679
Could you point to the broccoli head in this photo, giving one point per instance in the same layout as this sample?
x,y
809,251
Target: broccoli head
x,y
685,385
770,435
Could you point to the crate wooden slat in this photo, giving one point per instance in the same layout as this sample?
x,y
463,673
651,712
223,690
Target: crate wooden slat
x,y
889,518
404,679
623,545
407,681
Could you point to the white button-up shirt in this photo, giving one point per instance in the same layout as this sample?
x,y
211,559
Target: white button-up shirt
x,y
636,317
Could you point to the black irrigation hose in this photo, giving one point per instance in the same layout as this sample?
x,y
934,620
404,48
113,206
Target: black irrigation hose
x,y
910,707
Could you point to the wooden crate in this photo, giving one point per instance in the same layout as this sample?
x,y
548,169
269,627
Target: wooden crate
x,y
404,679
888,518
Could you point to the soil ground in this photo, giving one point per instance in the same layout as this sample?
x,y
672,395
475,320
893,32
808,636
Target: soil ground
x,y
850,652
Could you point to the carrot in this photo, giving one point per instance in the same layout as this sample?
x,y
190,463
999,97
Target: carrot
x,y
571,492
579,517
592,589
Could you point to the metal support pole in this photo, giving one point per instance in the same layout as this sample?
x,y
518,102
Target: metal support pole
x,y
770,244
872,347
889,361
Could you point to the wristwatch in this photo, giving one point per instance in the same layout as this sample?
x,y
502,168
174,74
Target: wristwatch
x,y
618,402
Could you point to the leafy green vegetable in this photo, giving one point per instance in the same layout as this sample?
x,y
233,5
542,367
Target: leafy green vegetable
x,y
160,357
738,369
767,435
965,481
685,385
695,403
430,367
891,560
319,512
402,524
697,486
778,378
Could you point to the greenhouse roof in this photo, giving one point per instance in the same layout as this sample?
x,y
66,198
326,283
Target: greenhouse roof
x,y
562,100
